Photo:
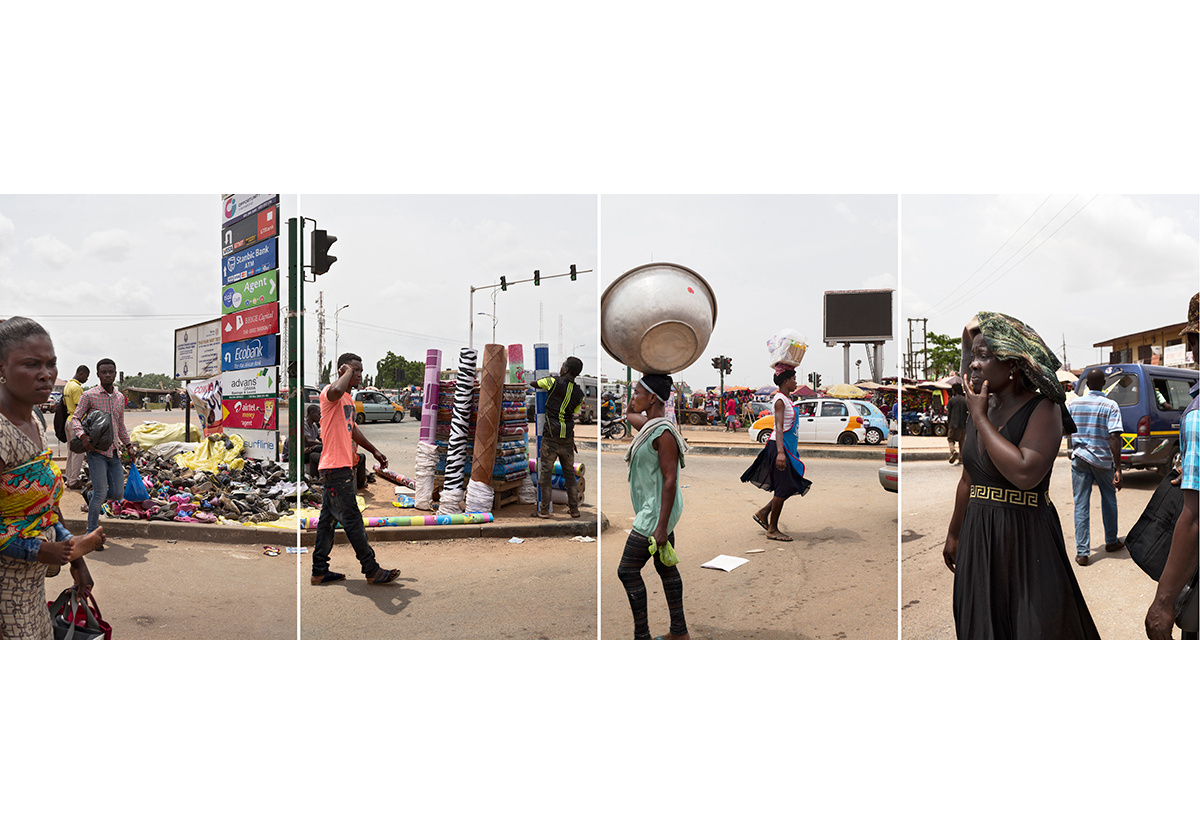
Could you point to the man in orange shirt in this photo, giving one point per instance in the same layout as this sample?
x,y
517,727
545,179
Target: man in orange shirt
x,y
340,438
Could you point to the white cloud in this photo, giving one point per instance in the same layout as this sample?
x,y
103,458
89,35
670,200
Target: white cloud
x,y
51,251
111,245
882,281
178,226
844,210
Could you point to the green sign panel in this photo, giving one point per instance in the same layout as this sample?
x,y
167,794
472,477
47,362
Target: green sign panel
x,y
242,295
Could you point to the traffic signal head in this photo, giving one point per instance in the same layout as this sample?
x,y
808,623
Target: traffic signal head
x,y
572,272
728,365
321,259
503,283
537,277
717,362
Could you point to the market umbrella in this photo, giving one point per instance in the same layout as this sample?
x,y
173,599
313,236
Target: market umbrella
x,y
766,389
845,391
1066,376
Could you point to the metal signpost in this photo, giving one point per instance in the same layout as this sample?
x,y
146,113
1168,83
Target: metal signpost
x,y
249,324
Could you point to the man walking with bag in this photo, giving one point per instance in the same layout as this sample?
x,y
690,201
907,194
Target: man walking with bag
x,y
104,465
1095,457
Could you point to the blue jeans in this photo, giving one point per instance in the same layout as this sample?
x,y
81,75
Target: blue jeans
x,y
108,483
340,506
1082,476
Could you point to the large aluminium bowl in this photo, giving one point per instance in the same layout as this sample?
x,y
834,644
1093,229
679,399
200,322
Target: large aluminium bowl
x,y
657,318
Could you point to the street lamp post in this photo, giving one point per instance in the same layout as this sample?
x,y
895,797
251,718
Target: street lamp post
x,y
336,334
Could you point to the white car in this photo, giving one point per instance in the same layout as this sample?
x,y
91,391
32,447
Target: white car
x,y
821,421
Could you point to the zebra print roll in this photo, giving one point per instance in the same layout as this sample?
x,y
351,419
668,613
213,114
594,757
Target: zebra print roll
x,y
460,421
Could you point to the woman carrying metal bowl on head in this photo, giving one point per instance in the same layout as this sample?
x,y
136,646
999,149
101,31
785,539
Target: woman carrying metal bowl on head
x,y
654,460
1012,576
33,540
778,468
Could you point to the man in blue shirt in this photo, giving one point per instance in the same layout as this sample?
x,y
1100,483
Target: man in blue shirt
x,y
1095,457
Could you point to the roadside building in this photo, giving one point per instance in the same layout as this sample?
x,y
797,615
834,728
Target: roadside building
x,y
1157,346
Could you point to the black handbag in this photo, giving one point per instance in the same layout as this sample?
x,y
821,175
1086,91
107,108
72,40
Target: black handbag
x,y
1149,542
64,616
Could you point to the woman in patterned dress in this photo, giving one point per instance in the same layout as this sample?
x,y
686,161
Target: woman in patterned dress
x,y
32,537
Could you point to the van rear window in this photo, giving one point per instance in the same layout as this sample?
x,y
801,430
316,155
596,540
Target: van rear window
x,y
1122,388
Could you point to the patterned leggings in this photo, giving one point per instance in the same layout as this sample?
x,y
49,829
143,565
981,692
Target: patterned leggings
x,y
637,552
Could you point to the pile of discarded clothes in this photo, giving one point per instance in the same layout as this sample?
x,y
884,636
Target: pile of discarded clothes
x,y
242,490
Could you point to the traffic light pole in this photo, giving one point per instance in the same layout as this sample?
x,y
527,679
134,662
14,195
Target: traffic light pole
x,y
504,284
295,341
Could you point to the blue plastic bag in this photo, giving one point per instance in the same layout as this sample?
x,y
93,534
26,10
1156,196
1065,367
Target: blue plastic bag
x,y
135,488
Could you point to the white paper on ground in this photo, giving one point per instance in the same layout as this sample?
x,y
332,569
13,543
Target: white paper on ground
x,y
515,540
725,563
581,539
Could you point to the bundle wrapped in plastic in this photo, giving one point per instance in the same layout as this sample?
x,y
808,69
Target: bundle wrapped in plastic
x,y
787,347
151,433
213,451
425,468
479,497
527,492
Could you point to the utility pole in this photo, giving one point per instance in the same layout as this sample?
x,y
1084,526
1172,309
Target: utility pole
x,y
320,335
924,350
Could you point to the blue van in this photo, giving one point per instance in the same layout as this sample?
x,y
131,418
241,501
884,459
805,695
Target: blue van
x,y
1152,399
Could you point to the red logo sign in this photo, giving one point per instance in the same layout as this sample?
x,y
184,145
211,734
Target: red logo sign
x,y
266,223
250,414
250,324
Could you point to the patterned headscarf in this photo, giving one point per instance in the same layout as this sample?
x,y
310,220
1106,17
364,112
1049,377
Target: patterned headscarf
x,y
1012,339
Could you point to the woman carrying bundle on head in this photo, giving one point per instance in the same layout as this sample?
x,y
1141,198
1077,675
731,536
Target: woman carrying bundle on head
x,y
33,541
654,460
778,468
1012,576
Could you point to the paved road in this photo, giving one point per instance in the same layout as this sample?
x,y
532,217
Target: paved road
x,y
837,580
1116,590
158,590
477,589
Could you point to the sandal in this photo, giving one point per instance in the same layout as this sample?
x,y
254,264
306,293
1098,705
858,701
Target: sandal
x,y
326,578
383,576
574,513
779,537
759,521
539,515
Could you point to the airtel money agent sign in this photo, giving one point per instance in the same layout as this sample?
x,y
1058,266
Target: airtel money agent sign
x,y
253,353
257,321
250,414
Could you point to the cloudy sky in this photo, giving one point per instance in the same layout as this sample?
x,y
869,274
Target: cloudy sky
x,y
1082,268
406,263
769,260
112,275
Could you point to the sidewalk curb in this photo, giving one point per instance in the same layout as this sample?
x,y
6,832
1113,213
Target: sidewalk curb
x,y
585,525
121,528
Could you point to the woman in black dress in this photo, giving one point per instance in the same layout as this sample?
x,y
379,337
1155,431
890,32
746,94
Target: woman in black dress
x,y
1012,576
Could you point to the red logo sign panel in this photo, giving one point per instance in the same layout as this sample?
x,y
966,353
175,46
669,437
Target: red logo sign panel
x,y
250,414
267,226
250,324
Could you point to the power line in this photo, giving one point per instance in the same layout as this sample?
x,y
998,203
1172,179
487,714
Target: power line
x,y
963,288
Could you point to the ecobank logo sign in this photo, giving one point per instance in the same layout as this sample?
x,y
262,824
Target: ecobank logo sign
x,y
251,353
